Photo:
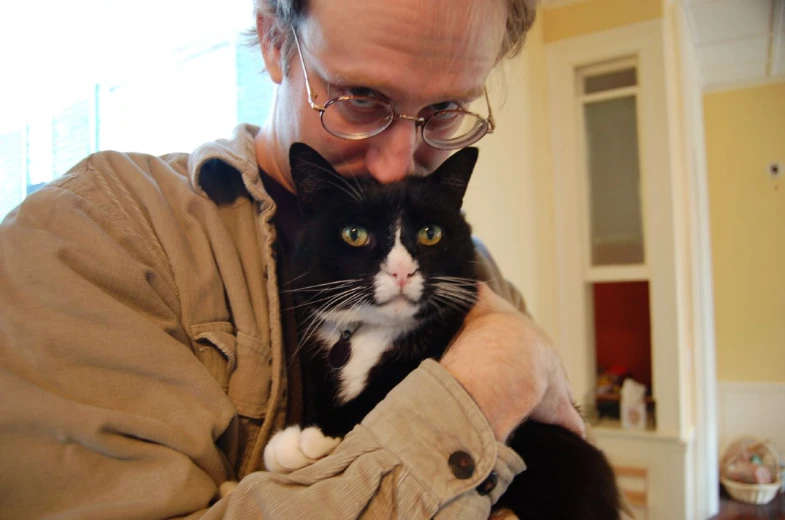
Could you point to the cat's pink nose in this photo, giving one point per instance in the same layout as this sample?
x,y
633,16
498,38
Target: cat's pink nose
x,y
402,277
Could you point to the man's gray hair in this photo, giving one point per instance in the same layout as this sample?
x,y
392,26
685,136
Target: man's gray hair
x,y
288,13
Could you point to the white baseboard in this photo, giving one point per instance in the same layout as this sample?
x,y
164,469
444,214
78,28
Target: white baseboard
x,y
752,408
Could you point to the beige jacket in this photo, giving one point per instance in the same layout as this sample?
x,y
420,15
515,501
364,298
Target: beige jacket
x,y
142,362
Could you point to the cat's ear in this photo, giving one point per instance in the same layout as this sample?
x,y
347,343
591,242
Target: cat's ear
x,y
311,174
452,177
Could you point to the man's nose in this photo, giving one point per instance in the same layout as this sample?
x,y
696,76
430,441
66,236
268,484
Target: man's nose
x,y
390,157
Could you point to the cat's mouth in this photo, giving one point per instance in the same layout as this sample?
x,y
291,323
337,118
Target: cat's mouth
x,y
398,299
397,308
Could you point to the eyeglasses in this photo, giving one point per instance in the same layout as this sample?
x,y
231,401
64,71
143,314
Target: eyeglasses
x,y
361,117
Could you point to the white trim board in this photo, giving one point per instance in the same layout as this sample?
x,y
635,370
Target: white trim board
x,y
678,254
752,408
643,41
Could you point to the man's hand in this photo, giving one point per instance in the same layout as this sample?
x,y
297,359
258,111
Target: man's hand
x,y
510,368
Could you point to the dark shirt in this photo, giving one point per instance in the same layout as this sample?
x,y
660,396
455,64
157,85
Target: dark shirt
x,y
287,221
287,218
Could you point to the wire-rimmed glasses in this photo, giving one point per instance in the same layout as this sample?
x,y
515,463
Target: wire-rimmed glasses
x,y
361,117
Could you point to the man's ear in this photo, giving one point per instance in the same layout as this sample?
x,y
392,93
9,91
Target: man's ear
x,y
271,41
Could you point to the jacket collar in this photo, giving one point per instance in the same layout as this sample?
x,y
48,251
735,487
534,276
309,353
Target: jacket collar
x,y
237,152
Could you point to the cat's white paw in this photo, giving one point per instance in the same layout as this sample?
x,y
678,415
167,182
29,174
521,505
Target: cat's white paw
x,y
316,445
293,448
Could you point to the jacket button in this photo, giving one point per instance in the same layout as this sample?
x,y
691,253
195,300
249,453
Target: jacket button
x,y
461,465
489,484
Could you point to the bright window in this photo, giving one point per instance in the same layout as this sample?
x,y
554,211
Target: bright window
x,y
147,76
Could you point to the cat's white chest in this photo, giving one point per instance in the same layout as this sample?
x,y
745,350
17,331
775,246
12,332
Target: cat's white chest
x,y
368,344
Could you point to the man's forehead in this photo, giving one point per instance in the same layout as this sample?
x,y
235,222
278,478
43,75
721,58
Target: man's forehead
x,y
446,28
397,46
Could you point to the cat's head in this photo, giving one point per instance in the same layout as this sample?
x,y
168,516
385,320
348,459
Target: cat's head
x,y
382,253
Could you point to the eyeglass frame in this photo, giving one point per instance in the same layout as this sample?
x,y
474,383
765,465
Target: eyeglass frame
x,y
419,121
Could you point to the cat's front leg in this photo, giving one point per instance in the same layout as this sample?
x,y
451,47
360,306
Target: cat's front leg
x,y
295,447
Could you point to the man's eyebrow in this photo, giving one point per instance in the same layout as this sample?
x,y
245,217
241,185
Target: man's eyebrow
x,y
391,91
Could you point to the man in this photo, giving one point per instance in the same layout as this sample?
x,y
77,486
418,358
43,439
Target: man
x,y
141,334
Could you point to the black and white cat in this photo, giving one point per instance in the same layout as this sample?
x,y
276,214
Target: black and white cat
x,y
384,275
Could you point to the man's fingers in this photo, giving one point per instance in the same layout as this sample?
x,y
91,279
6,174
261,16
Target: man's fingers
x,y
488,302
565,416
574,422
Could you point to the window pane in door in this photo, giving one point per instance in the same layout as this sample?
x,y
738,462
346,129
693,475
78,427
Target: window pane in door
x,y
610,80
616,233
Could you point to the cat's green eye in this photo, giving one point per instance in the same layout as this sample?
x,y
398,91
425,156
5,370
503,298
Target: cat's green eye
x,y
429,235
355,236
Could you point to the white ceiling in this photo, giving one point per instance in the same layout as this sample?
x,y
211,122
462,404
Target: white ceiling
x,y
737,41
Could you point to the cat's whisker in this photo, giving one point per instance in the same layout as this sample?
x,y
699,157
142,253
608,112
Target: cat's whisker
x,y
456,278
342,289
312,322
454,287
313,326
311,302
457,283
326,293
340,324
315,317
448,302
358,185
353,304
441,311
353,192
338,299
350,192
318,298
456,292
301,345
289,282
343,299
357,306
315,287
456,295
494,279
464,303
356,189
320,316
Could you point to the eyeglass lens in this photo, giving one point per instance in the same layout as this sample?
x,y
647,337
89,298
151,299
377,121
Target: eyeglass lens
x,y
360,118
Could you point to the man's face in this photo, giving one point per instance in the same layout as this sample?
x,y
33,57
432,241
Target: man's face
x,y
416,54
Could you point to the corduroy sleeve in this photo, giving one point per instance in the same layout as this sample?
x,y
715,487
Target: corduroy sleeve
x,y
107,413
105,410
396,464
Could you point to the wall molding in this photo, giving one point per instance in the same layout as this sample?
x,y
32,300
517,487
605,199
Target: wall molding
x,y
752,386
752,408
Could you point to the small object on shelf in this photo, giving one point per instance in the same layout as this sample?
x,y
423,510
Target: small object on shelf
x,y
633,405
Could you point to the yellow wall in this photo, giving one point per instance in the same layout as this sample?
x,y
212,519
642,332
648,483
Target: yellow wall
x,y
745,131
596,15
510,201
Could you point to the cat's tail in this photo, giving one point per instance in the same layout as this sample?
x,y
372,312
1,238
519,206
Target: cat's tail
x,y
565,477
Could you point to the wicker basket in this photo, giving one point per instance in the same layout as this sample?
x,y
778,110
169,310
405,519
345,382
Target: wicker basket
x,y
752,493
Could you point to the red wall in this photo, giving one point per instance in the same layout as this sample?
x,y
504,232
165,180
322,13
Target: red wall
x,y
623,328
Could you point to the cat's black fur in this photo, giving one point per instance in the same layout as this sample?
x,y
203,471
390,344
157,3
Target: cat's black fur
x,y
566,478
